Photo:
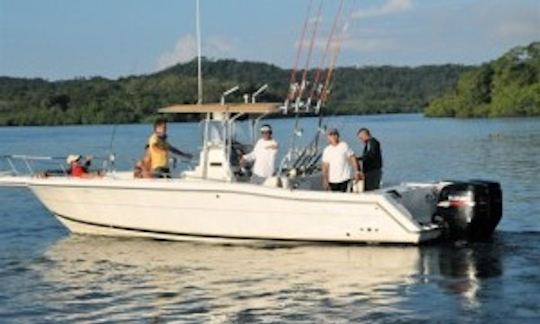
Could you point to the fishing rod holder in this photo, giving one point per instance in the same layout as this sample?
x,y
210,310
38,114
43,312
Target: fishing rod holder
x,y
258,92
228,92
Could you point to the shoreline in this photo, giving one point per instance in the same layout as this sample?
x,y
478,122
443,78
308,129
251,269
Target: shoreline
x,y
279,117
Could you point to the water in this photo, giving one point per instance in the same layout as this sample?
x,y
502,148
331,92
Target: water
x,y
48,275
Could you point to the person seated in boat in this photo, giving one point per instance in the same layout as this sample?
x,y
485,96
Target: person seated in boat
x,y
371,159
159,149
339,164
79,167
143,166
263,156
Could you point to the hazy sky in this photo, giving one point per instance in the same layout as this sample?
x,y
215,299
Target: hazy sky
x,y
58,39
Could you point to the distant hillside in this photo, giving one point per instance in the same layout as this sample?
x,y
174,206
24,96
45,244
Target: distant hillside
x,y
506,87
136,98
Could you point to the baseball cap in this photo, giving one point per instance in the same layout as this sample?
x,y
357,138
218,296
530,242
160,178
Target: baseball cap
x,y
266,128
73,158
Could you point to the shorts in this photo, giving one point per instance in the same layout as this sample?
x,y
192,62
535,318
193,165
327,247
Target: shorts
x,y
345,186
161,173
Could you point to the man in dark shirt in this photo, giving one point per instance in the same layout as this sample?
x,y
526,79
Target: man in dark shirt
x,y
371,160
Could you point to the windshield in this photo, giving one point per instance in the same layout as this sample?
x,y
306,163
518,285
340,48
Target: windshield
x,y
240,132
216,132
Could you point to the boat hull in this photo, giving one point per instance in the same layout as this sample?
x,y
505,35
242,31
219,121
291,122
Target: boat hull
x,y
226,212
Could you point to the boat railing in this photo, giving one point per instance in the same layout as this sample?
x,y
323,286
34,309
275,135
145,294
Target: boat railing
x,y
34,165
18,165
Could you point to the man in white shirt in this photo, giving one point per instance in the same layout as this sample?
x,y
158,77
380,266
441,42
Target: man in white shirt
x,y
263,155
339,165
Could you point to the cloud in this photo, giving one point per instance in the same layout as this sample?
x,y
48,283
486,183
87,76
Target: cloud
x,y
186,49
388,8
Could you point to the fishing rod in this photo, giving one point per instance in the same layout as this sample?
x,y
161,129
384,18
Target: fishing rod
x,y
292,82
312,166
304,155
330,73
337,48
308,58
292,157
308,158
109,163
317,87
311,150
310,154
297,131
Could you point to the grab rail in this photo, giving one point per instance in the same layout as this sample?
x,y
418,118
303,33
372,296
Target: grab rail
x,y
20,164
14,161
24,165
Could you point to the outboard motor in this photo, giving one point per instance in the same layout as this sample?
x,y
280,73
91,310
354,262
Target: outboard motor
x,y
469,210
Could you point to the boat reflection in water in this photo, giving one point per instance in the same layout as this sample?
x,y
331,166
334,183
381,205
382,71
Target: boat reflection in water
x,y
157,280
461,270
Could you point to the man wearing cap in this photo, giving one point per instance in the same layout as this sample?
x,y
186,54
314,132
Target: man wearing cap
x,y
263,155
159,150
79,169
339,165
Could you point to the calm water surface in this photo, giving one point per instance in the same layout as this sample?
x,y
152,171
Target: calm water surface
x,y
48,275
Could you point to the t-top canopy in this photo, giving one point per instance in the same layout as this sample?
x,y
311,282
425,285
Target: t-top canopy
x,y
248,108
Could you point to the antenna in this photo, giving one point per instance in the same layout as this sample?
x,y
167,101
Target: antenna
x,y
199,70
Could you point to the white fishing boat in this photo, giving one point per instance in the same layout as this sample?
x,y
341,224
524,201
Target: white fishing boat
x,y
213,201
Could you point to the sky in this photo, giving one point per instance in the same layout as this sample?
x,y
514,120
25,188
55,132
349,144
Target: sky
x,y
63,39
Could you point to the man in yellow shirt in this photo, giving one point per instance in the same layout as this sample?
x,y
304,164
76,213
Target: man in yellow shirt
x,y
159,150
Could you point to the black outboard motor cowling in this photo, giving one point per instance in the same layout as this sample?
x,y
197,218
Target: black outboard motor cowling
x,y
470,210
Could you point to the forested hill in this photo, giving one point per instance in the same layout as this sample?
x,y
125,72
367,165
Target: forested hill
x,y
136,98
506,87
